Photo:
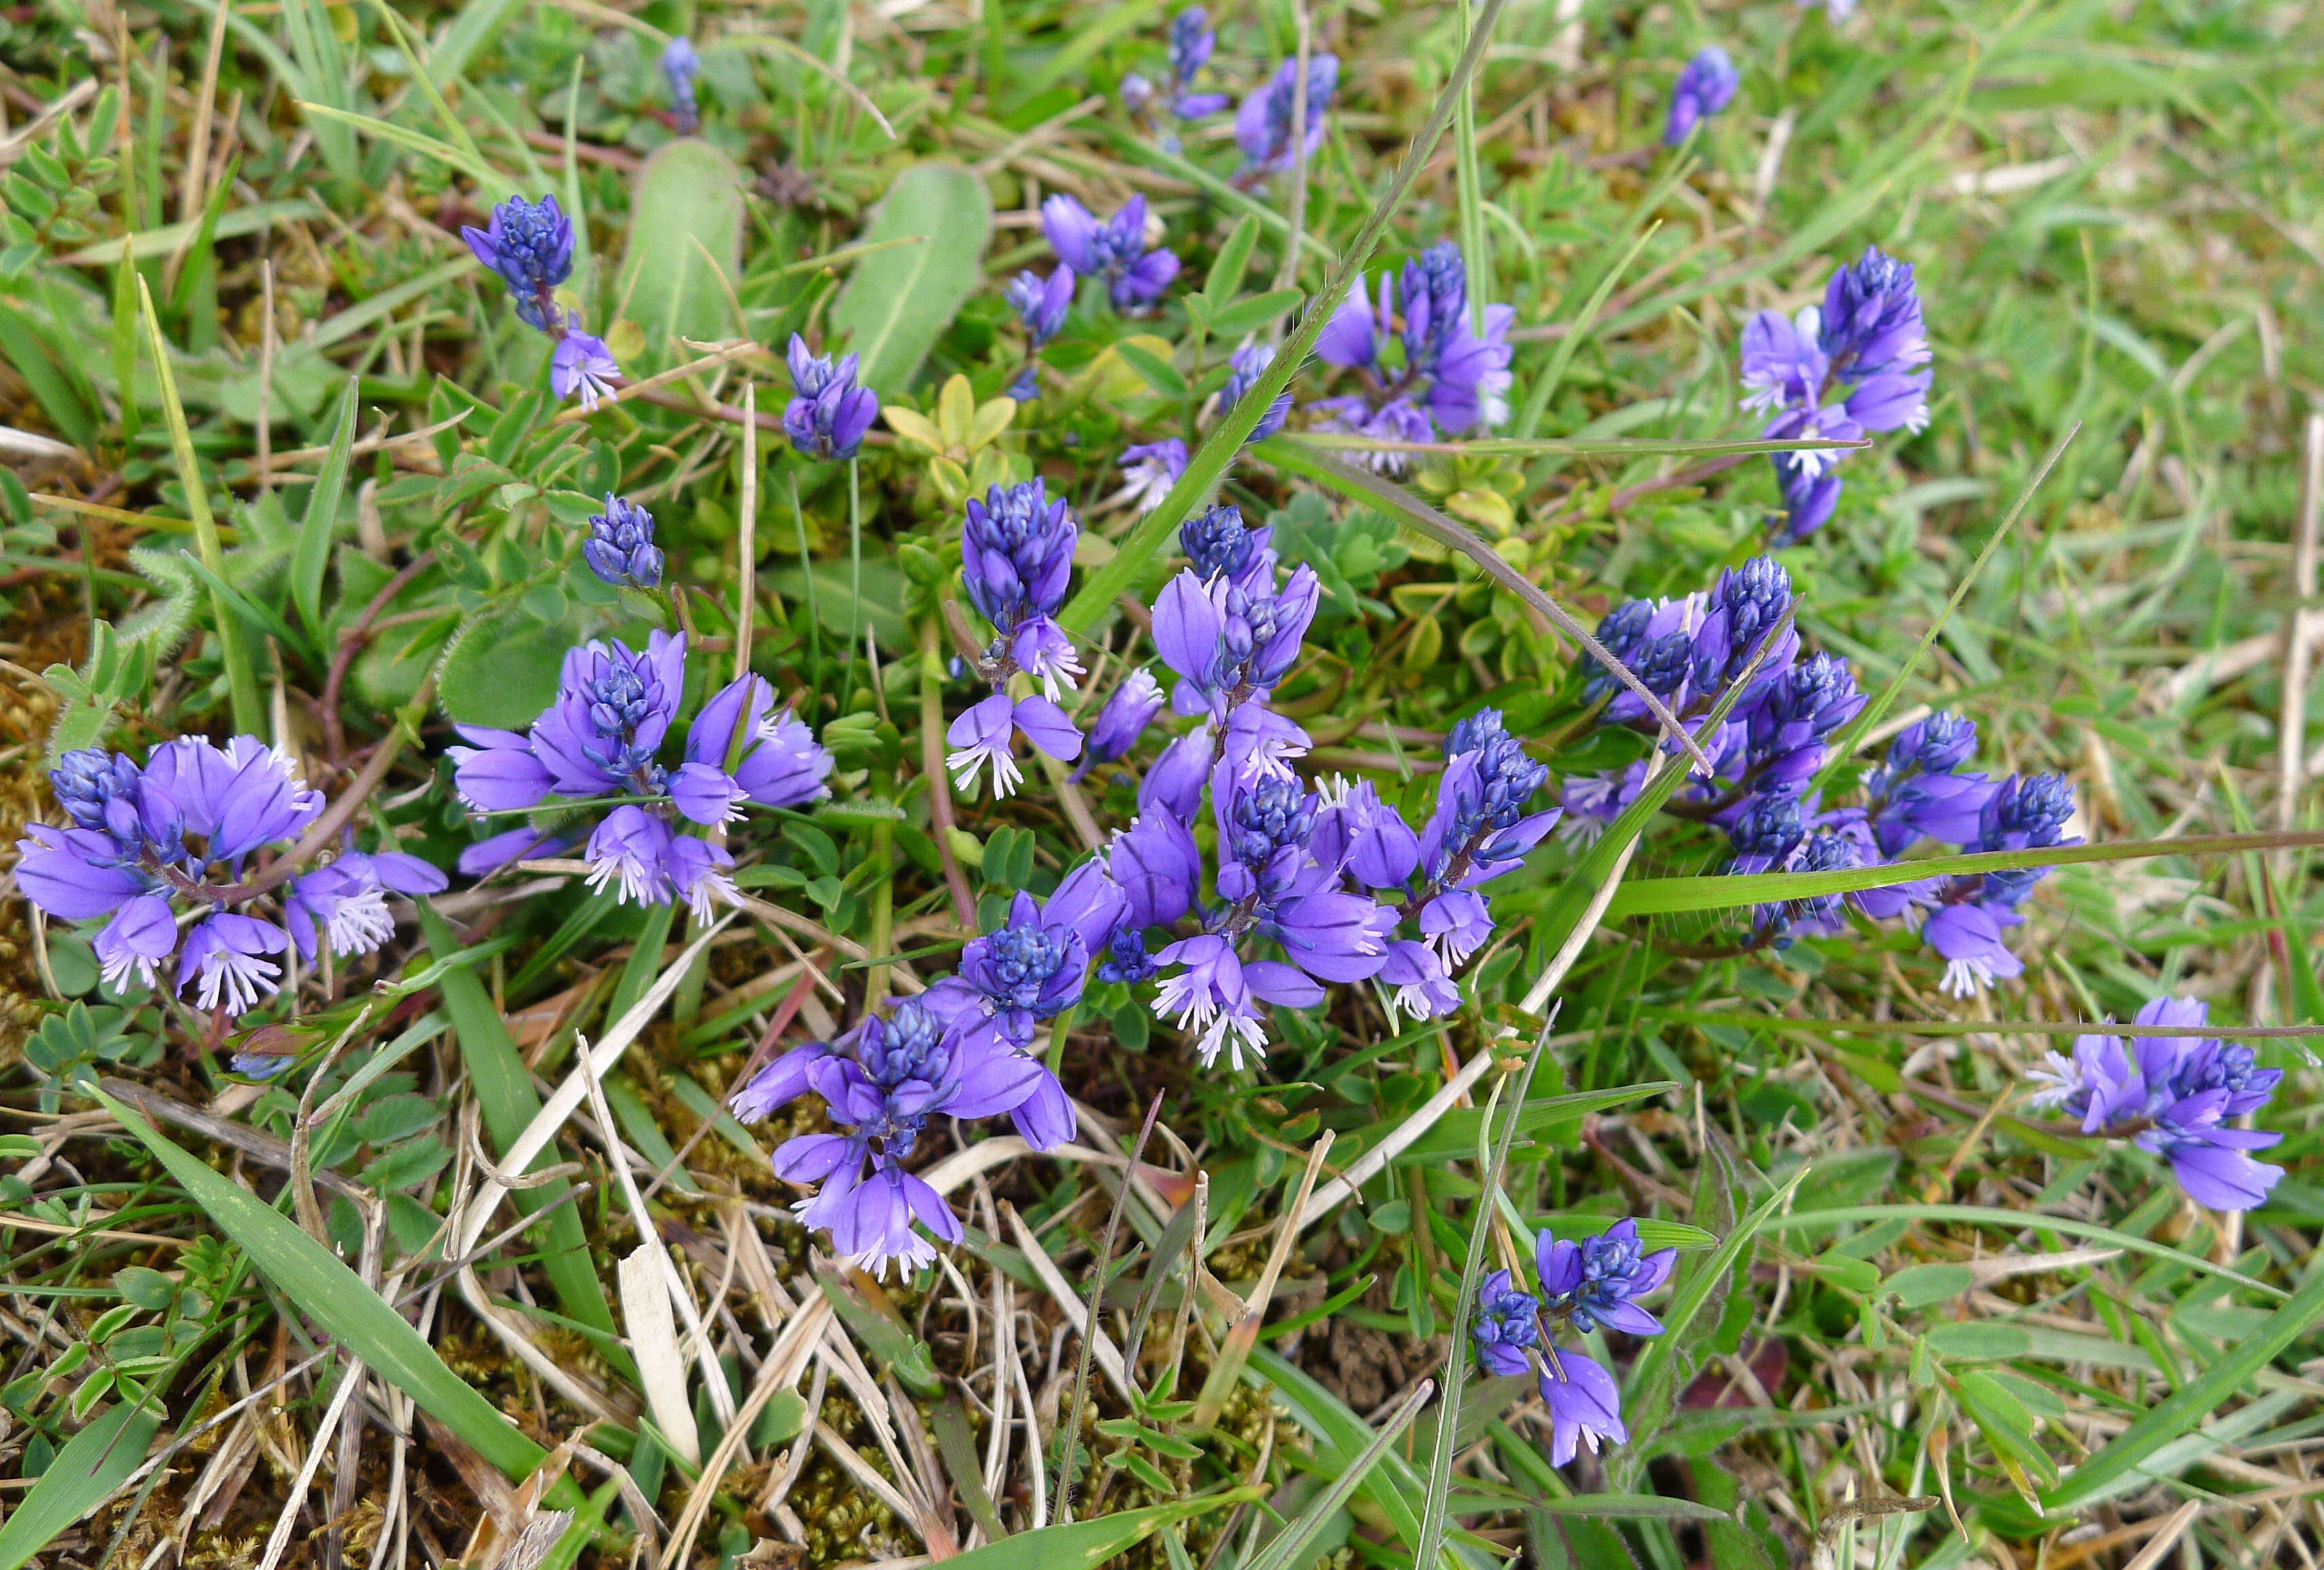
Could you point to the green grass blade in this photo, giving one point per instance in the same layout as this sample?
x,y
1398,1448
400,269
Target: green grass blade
x,y
2113,1467
312,553
1290,1546
83,1476
1546,385
2018,1221
1668,896
242,676
1646,1394
506,1095
1227,438
494,186
1439,1496
1393,1485
1085,1545
335,1298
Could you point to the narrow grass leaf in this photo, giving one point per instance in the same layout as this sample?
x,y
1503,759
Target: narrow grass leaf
x,y
1290,1547
312,553
1085,1545
335,1299
84,1474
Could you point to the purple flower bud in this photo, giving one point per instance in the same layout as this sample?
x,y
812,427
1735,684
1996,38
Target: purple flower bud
x,y
1127,710
1263,125
1017,553
1508,1323
1871,320
88,783
828,413
1218,544
1599,1280
1041,303
680,65
1192,40
1174,784
1705,85
621,548
1245,365
530,245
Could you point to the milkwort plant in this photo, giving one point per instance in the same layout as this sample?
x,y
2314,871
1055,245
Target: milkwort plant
x,y
1302,820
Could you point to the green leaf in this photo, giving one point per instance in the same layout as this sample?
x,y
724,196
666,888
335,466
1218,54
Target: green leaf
x,y
1160,375
83,1476
1629,1507
331,1295
502,670
1974,1341
1290,1546
2116,1466
1085,1545
506,1095
934,221
1226,268
2015,1221
1918,1286
903,1355
686,247
313,552
1455,1133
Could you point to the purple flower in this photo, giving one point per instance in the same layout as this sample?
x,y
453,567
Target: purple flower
x,y
2173,1095
1399,420
1585,1406
679,64
1825,850
1784,366
1456,924
1361,836
2025,812
1599,1280
776,761
980,737
226,955
1482,827
137,941
1034,968
1871,319
1017,553
828,413
1352,336
530,245
1219,544
621,548
1158,869
1453,377
1114,250
1747,605
1174,784
487,856
1416,983
75,874
1216,994
582,365
1890,401
1803,706
1916,794
1128,709
1705,85
630,850
1508,1323
1245,365
613,706
1809,498
882,1082
347,900
1229,644
698,872
1263,126
1041,303
1259,742
1148,472
1968,938
1192,40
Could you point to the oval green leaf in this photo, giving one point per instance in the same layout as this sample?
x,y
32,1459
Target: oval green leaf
x,y
931,227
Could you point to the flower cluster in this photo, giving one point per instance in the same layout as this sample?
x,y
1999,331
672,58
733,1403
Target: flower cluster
x,y
679,66
1834,374
1333,881
1706,84
1040,304
2173,1095
960,1049
1192,40
1264,124
829,414
177,834
530,245
1114,250
621,548
1016,555
600,737
1583,1285
1777,738
1424,368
